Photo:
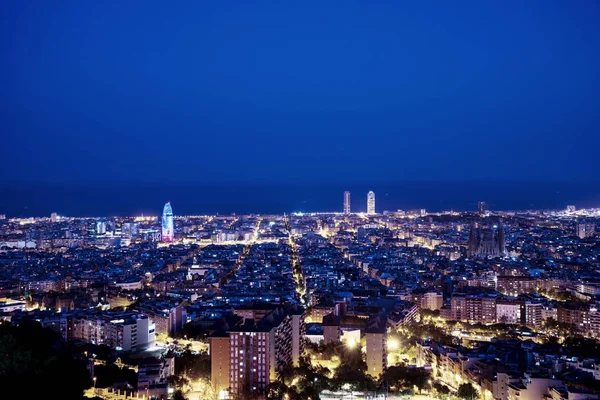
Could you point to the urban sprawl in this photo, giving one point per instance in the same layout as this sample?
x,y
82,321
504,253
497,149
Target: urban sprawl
x,y
347,305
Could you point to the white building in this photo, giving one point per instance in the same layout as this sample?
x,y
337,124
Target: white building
x,y
432,301
508,312
371,202
122,331
101,228
346,202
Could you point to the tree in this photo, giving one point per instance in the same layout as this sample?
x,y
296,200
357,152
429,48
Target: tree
x,y
354,376
35,362
195,366
108,375
403,378
178,395
467,391
286,374
178,382
441,389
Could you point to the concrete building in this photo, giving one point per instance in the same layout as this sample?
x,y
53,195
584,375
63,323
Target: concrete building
x,y
508,311
154,371
219,371
432,301
585,230
121,331
376,338
515,285
531,387
169,317
255,351
533,314
477,308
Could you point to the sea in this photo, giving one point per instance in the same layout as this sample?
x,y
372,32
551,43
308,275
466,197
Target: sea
x,y
134,199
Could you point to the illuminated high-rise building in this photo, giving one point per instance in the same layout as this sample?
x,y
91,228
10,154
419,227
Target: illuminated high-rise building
x,y
371,202
167,224
346,202
100,228
482,207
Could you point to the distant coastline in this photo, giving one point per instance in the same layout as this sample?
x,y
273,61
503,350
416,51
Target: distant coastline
x,y
123,199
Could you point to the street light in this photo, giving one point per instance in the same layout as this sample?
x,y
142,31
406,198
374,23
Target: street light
x,y
94,379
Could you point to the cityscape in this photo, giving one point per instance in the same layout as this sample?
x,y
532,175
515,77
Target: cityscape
x,y
300,200
363,304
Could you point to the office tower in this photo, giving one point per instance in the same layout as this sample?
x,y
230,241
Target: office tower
x,y
248,354
167,224
371,202
486,241
571,209
482,207
130,229
100,228
346,202
54,217
585,230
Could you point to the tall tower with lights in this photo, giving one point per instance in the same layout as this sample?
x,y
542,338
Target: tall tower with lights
x,y
168,234
371,202
346,202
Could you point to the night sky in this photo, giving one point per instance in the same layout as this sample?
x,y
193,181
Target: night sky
x,y
299,91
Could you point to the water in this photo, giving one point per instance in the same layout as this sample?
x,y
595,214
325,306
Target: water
x,y
187,199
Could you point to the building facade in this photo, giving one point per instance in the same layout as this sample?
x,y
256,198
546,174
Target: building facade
x,y
168,231
346,202
255,351
371,203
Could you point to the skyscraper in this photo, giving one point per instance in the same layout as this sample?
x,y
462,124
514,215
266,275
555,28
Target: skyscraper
x,y
371,202
167,224
100,228
482,207
346,202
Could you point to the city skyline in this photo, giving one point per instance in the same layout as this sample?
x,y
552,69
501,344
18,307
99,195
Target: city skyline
x,y
300,200
249,297
141,200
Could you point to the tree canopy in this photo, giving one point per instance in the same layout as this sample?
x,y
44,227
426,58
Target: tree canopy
x,y
466,391
35,363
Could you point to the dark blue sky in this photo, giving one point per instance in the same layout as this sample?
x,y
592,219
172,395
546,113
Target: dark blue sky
x,y
286,91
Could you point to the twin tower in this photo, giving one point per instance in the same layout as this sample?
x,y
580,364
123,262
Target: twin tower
x,y
370,202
